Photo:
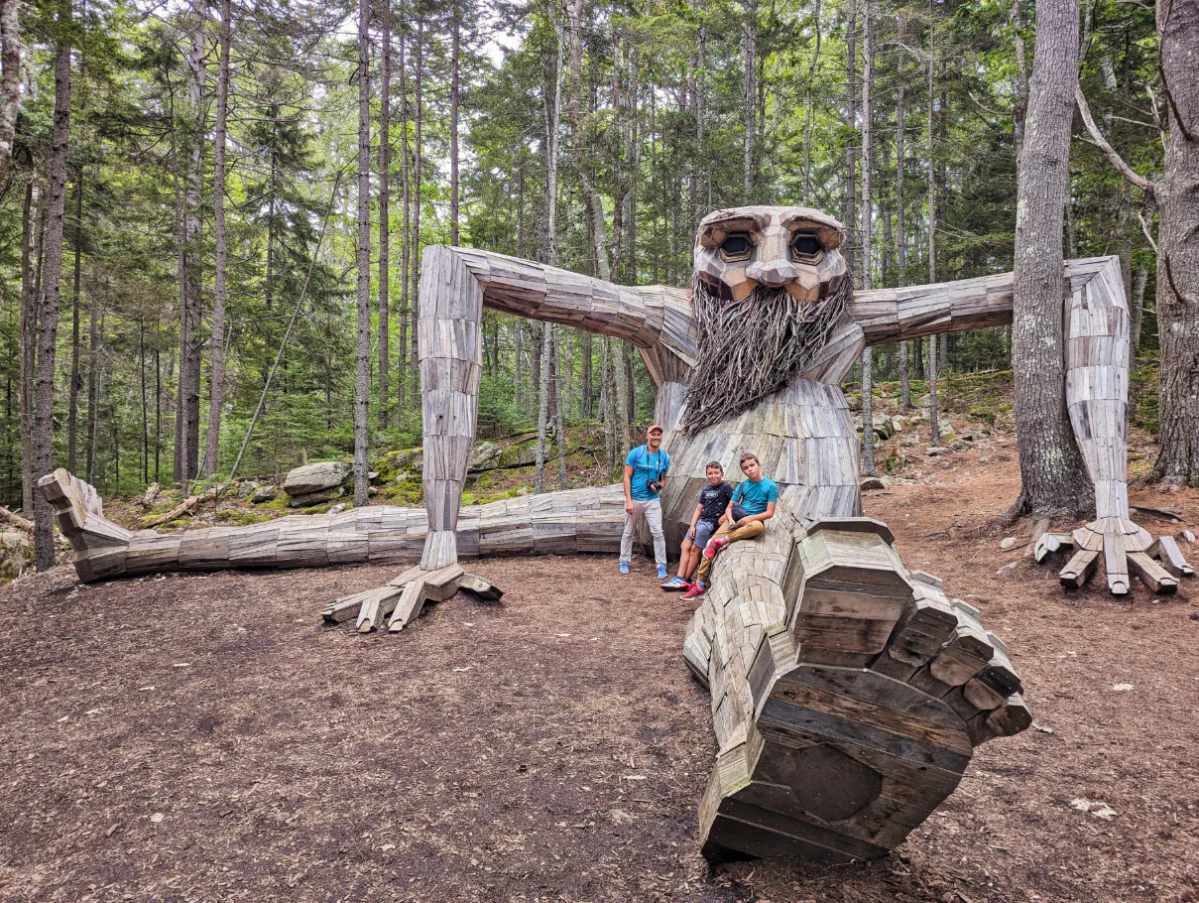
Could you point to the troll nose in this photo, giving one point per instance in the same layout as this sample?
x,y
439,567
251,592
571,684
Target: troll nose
x,y
772,273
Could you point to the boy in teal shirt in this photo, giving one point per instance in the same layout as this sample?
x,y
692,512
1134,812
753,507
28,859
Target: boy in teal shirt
x,y
752,505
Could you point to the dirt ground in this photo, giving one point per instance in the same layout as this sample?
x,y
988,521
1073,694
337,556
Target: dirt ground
x,y
204,737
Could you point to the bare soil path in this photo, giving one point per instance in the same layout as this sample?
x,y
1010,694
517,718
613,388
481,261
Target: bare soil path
x,y
204,737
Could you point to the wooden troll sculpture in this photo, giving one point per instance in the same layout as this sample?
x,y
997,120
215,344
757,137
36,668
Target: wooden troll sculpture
x,y
848,693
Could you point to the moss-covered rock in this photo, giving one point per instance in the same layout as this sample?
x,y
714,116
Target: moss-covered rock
x,y
16,554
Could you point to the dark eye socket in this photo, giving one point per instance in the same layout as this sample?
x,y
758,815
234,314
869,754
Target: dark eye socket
x,y
807,246
736,245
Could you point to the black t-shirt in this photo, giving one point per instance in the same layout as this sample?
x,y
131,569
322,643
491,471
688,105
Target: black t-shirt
x,y
715,500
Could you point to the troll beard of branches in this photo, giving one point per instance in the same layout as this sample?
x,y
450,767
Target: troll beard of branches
x,y
753,348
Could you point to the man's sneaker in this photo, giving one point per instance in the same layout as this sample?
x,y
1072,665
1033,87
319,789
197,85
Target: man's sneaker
x,y
624,567
676,584
661,572
714,546
697,590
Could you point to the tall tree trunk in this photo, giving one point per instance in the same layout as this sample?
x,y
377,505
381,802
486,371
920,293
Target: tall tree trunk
x,y
1178,248
216,401
901,236
157,407
851,154
1051,466
93,384
1136,304
588,406
1020,109
749,113
867,364
43,422
807,120
28,328
10,80
560,403
552,128
416,177
145,405
188,413
76,375
405,203
363,345
454,79
384,213
934,424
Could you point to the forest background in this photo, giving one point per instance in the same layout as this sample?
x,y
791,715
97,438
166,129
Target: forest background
x,y
212,200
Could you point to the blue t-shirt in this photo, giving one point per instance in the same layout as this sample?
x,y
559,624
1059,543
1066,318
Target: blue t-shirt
x,y
754,497
646,466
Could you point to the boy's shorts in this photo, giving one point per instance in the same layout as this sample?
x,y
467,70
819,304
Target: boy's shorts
x,y
703,532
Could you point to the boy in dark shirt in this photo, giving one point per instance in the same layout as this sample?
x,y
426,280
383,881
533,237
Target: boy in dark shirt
x,y
709,512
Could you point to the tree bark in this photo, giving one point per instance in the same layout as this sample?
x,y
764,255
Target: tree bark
x,y
807,121
76,375
188,413
851,117
43,423
1020,109
552,129
1136,313
1178,247
454,81
405,203
93,384
560,403
1051,466
749,112
216,400
363,345
10,80
934,425
418,74
28,340
867,233
384,212
901,247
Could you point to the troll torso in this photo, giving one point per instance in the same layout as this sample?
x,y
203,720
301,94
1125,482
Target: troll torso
x,y
774,340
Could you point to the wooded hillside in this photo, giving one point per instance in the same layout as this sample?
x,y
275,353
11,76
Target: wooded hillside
x,y
210,181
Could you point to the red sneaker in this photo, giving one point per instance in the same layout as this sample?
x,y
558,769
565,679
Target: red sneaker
x,y
714,546
696,591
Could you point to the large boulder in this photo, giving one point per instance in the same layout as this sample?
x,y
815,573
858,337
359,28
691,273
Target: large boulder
x,y
16,554
484,456
307,500
884,426
315,478
264,493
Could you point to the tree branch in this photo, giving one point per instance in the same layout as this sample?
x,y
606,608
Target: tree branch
x,y
1127,171
1145,229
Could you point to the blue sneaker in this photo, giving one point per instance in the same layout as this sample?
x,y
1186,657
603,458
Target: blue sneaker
x,y
661,572
676,584
624,567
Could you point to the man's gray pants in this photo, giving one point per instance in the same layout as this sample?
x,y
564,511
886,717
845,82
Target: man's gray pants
x,y
652,511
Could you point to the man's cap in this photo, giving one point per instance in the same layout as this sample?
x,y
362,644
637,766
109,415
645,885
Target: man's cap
x,y
654,426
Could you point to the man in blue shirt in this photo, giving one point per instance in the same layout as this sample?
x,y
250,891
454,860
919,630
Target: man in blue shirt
x,y
645,472
752,505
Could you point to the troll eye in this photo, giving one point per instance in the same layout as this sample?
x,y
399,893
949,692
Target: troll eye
x,y
806,247
736,247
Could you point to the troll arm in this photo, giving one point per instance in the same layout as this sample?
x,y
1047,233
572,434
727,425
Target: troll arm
x,y
456,284
1096,395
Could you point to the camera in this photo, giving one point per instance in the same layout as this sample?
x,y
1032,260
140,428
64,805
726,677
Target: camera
x,y
654,486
